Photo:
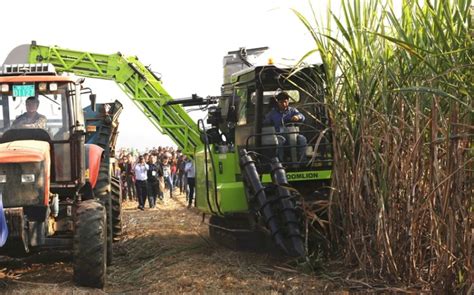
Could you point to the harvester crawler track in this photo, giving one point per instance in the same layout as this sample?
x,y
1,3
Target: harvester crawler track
x,y
236,233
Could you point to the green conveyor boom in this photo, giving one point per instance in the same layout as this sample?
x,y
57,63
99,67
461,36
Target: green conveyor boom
x,y
136,80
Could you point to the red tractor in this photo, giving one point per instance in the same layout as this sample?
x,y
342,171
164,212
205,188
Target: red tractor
x,y
55,179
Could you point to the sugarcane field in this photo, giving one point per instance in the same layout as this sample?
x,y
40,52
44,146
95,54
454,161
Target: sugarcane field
x,y
237,147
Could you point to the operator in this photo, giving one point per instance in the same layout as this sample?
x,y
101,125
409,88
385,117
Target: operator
x,y
281,115
30,119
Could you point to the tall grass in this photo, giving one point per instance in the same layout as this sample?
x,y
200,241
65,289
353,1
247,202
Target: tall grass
x,y
400,92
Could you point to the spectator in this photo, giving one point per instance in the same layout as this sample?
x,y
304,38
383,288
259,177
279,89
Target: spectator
x,y
153,181
190,176
126,169
166,169
174,170
141,169
181,175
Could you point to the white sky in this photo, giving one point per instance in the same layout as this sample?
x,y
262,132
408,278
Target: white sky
x,y
184,40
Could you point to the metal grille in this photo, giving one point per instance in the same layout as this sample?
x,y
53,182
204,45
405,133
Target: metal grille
x,y
18,194
28,69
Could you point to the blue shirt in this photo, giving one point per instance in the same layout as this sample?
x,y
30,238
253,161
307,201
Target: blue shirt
x,y
277,118
189,169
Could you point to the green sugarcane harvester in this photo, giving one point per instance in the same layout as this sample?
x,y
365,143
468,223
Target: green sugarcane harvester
x,y
249,192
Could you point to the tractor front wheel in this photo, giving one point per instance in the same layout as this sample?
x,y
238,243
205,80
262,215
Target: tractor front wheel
x,y
90,244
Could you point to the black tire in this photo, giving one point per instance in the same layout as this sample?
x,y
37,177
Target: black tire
x,y
102,191
116,208
107,201
90,244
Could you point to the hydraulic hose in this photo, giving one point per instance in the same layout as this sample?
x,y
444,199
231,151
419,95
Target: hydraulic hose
x,y
206,151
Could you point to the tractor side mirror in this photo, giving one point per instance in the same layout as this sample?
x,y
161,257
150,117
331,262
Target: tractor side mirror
x,y
92,98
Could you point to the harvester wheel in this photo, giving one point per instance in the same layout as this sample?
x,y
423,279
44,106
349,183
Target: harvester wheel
x,y
90,244
116,208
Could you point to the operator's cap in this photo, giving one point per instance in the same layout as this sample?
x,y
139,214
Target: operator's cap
x,y
282,96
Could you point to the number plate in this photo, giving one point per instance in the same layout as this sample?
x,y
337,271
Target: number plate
x,y
23,90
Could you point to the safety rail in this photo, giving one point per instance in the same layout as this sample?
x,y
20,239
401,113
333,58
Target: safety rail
x,y
137,81
321,154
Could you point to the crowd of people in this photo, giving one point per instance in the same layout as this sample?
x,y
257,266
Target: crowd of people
x,y
154,174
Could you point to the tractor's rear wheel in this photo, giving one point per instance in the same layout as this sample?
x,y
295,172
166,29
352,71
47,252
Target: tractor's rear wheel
x,y
90,244
116,208
107,201
102,191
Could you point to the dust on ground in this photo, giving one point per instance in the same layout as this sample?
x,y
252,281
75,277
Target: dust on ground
x,y
164,250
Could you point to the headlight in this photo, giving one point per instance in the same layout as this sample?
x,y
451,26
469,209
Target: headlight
x,y
3,178
42,86
53,86
4,88
27,178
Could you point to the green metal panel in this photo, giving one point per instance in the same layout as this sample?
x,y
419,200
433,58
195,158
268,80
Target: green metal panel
x,y
136,80
230,192
230,197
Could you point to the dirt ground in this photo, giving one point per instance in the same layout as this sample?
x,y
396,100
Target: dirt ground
x,y
165,250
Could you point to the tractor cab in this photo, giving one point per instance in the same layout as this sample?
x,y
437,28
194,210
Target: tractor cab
x,y
303,145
